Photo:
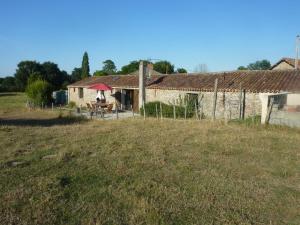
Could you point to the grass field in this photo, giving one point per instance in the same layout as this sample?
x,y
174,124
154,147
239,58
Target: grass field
x,y
60,170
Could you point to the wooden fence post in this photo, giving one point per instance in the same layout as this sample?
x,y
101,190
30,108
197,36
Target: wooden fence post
x,y
144,110
196,111
161,114
243,104
201,106
117,111
215,99
185,108
156,111
132,111
52,106
268,116
174,112
201,111
240,101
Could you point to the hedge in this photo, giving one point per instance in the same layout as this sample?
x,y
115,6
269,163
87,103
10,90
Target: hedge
x,y
168,110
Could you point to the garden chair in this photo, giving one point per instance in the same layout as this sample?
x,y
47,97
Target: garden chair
x,y
109,108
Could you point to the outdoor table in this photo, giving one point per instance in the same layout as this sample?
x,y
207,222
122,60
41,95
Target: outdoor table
x,y
102,105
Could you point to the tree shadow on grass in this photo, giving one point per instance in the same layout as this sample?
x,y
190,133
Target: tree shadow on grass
x,y
4,94
42,122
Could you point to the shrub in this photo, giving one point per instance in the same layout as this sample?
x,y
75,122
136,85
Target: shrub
x,y
39,92
167,110
71,105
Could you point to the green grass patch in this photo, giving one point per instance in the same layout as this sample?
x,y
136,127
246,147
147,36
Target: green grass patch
x,y
146,172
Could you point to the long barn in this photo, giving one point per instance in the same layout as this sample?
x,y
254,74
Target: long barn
x,y
257,87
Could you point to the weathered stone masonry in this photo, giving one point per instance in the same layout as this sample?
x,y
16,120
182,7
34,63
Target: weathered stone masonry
x,y
227,102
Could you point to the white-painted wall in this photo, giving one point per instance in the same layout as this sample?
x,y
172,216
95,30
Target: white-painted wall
x,y
293,99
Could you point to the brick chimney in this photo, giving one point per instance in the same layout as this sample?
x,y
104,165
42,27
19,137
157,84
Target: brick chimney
x,y
149,70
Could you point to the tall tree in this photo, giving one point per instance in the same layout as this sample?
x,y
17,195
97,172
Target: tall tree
x,y
163,67
85,67
201,68
8,84
181,70
258,65
24,70
109,67
130,68
53,75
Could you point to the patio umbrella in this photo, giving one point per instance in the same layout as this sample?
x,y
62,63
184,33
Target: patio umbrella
x,y
100,87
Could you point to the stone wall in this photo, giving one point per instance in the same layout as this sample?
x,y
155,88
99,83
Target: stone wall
x,y
227,102
88,96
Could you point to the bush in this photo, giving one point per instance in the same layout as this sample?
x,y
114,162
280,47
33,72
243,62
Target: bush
x,y
39,92
71,105
167,110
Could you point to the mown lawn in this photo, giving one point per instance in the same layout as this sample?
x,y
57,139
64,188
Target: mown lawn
x,y
64,171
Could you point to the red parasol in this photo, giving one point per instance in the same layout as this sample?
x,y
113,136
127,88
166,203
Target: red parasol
x,y
100,87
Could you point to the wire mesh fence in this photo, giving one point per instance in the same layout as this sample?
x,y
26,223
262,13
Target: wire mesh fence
x,y
161,110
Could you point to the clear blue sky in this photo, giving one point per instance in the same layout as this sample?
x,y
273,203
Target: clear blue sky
x,y
221,34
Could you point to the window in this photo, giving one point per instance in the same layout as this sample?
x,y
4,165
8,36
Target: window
x,y
80,92
73,89
280,100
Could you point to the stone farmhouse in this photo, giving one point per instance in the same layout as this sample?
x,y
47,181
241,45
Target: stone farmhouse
x,y
256,88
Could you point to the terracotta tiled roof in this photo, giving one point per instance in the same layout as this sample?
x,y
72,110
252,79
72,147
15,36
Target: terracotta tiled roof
x,y
289,61
252,81
129,81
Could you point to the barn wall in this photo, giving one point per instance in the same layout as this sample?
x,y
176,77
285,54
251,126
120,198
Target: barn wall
x,y
227,102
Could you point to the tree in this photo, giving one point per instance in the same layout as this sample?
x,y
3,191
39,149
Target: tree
x,y
34,77
130,68
99,73
48,71
181,70
201,68
242,68
163,67
258,65
109,67
66,78
53,75
8,84
85,68
76,74
24,70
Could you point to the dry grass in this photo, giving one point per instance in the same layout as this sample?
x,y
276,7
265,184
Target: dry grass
x,y
147,172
